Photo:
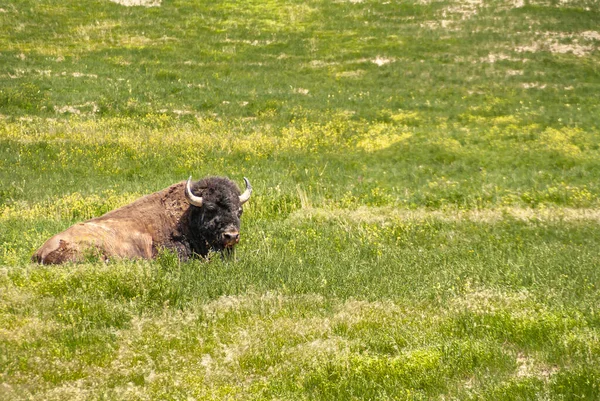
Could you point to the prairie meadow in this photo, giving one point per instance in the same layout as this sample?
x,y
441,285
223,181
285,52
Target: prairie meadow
x,y
426,207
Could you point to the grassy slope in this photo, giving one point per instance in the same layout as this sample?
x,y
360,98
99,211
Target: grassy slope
x,y
424,222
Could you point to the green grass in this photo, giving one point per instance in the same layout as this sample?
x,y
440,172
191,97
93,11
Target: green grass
x,y
425,217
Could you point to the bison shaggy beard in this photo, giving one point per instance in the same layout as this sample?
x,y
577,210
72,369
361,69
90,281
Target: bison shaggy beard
x,y
191,219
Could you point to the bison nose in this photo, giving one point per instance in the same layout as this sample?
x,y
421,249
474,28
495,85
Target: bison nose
x,y
231,237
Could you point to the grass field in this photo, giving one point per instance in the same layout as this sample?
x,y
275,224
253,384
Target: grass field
x,y
425,220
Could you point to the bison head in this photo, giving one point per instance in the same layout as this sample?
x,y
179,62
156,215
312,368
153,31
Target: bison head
x,y
216,208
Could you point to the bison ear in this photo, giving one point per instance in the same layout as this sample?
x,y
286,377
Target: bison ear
x,y
191,198
246,195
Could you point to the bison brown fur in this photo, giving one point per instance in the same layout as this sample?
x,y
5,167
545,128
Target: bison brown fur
x,y
191,219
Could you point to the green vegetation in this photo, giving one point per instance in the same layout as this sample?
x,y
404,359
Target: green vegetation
x,y
425,217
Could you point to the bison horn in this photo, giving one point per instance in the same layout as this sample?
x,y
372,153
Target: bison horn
x,y
191,198
246,195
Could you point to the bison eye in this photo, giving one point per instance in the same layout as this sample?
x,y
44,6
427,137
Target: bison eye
x,y
240,211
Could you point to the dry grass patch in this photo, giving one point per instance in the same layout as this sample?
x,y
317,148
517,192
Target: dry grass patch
x,y
491,301
380,61
389,214
529,367
579,44
495,57
533,85
142,3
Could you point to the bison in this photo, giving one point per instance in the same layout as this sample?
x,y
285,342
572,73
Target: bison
x,y
191,219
